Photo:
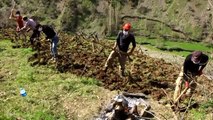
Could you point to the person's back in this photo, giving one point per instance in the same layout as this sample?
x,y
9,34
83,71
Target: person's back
x,y
48,31
31,24
192,67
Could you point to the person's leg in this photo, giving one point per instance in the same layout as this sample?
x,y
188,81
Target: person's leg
x,y
22,37
54,46
192,88
179,82
110,59
122,60
32,37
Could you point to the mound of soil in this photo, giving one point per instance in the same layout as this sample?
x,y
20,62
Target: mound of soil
x,y
86,56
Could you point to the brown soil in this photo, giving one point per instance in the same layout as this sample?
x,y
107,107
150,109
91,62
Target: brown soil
x,y
78,56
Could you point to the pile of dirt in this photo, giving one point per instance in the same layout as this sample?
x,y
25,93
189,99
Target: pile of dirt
x,y
85,55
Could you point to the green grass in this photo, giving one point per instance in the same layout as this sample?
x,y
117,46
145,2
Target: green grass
x,y
187,47
197,114
48,91
201,113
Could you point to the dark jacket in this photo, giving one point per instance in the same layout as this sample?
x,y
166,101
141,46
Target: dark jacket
x,y
190,68
48,31
123,41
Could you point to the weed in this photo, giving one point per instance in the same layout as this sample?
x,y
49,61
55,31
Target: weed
x,y
197,114
90,81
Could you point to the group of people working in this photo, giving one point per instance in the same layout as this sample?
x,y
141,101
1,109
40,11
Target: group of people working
x,y
28,24
192,66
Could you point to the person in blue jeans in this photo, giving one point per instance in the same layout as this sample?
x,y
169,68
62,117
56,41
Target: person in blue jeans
x,y
50,34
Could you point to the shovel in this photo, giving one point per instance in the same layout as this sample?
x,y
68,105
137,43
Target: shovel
x,y
178,98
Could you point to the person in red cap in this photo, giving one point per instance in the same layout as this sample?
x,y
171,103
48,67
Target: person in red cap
x,y
192,68
121,47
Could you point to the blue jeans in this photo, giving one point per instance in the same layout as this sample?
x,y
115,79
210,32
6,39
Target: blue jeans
x,y
54,46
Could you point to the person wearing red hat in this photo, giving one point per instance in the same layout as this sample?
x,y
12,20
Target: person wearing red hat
x,y
192,68
121,47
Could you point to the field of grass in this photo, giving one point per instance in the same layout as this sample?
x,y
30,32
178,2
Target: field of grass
x,y
50,95
172,47
184,47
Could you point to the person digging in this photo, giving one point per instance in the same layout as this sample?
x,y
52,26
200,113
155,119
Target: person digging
x,y
19,21
50,36
120,49
18,18
192,68
29,25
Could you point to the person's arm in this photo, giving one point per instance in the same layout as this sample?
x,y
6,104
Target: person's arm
x,y
117,40
133,45
25,27
187,65
12,16
200,72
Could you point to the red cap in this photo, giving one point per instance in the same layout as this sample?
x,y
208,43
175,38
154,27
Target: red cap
x,y
127,26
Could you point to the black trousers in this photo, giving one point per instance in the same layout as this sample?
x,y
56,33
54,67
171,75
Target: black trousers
x,y
35,34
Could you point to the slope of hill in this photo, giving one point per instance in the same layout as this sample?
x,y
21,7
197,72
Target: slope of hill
x,y
170,19
59,95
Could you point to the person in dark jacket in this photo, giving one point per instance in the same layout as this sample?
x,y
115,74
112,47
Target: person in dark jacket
x,y
192,68
52,36
121,47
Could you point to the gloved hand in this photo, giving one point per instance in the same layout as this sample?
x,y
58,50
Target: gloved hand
x,y
187,84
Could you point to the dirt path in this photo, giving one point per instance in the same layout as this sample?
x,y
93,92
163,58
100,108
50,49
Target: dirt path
x,y
175,59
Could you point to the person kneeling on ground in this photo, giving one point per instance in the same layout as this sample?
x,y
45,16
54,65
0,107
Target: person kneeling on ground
x,y
121,47
192,68
50,34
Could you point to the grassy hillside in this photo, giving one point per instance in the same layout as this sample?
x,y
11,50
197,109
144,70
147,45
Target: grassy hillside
x,y
53,95
182,48
168,19
50,95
